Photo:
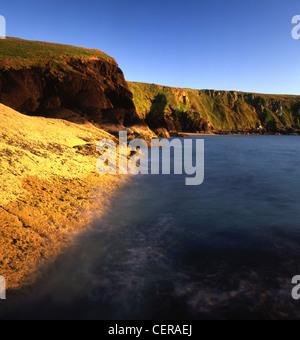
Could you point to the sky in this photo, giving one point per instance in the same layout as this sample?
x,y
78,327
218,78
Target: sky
x,y
202,44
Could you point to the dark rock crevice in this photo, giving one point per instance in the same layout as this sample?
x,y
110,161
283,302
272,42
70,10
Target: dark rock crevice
x,y
94,90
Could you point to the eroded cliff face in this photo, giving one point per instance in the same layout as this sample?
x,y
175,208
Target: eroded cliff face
x,y
186,110
79,85
76,89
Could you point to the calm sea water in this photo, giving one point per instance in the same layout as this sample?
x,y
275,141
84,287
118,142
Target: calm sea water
x,y
226,249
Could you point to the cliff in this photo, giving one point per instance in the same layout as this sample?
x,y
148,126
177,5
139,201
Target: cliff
x,y
79,85
61,81
186,110
48,182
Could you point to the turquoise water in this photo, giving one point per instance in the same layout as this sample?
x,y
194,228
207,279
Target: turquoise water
x,y
223,250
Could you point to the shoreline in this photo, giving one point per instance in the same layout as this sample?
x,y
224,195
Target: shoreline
x,y
54,230
19,285
50,190
235,133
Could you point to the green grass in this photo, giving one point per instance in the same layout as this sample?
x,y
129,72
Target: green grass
x,y
17,53
226,111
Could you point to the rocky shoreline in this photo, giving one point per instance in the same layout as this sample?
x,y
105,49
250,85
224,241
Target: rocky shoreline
x,y
257,132
68,98
253,132
50,189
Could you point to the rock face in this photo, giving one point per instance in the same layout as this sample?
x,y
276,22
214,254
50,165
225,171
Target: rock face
x,y
162,133
79,85
76,88
92,89
47,189
186,110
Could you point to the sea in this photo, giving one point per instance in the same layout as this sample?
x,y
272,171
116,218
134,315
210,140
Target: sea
x,y
226,249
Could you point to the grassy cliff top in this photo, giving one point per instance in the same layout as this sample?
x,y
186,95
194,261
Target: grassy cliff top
x,y
16,52
153,88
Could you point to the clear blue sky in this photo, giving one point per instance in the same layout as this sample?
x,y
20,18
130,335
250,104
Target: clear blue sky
x,y
203,44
